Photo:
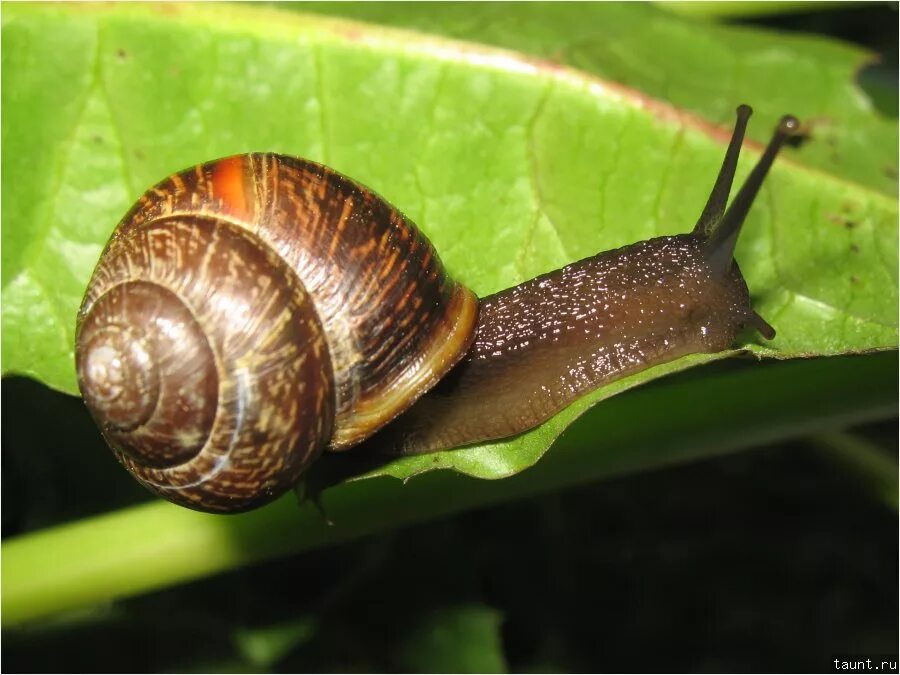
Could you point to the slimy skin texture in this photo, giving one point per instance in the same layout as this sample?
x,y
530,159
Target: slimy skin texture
x,y
550,340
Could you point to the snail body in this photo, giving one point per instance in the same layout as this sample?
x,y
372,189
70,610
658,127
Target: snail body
x,y
635,307
250,312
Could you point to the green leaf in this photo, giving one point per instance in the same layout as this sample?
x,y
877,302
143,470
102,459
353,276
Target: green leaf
x,y
511,164
559,163
461,639
702,68
747,8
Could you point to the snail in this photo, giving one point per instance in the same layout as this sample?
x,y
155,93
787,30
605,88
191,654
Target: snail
x,y
253,311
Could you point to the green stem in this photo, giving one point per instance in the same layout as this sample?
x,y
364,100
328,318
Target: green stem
x,y
729,9
865,461
157,545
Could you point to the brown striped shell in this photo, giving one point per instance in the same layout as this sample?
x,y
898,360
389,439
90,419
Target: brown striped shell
x,y
251,311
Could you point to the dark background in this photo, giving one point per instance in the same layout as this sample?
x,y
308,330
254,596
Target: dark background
x,y
773,559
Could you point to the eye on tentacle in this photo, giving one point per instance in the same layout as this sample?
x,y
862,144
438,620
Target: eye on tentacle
x,y
719,227
718,196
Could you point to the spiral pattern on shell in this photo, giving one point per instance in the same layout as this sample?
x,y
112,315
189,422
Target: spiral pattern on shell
x,y
252,311
207,397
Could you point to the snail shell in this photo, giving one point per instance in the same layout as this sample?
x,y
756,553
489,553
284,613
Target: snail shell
x,y
248,313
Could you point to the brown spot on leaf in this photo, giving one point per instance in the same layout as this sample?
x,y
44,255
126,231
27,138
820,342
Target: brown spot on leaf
x,y
121,54
842,220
